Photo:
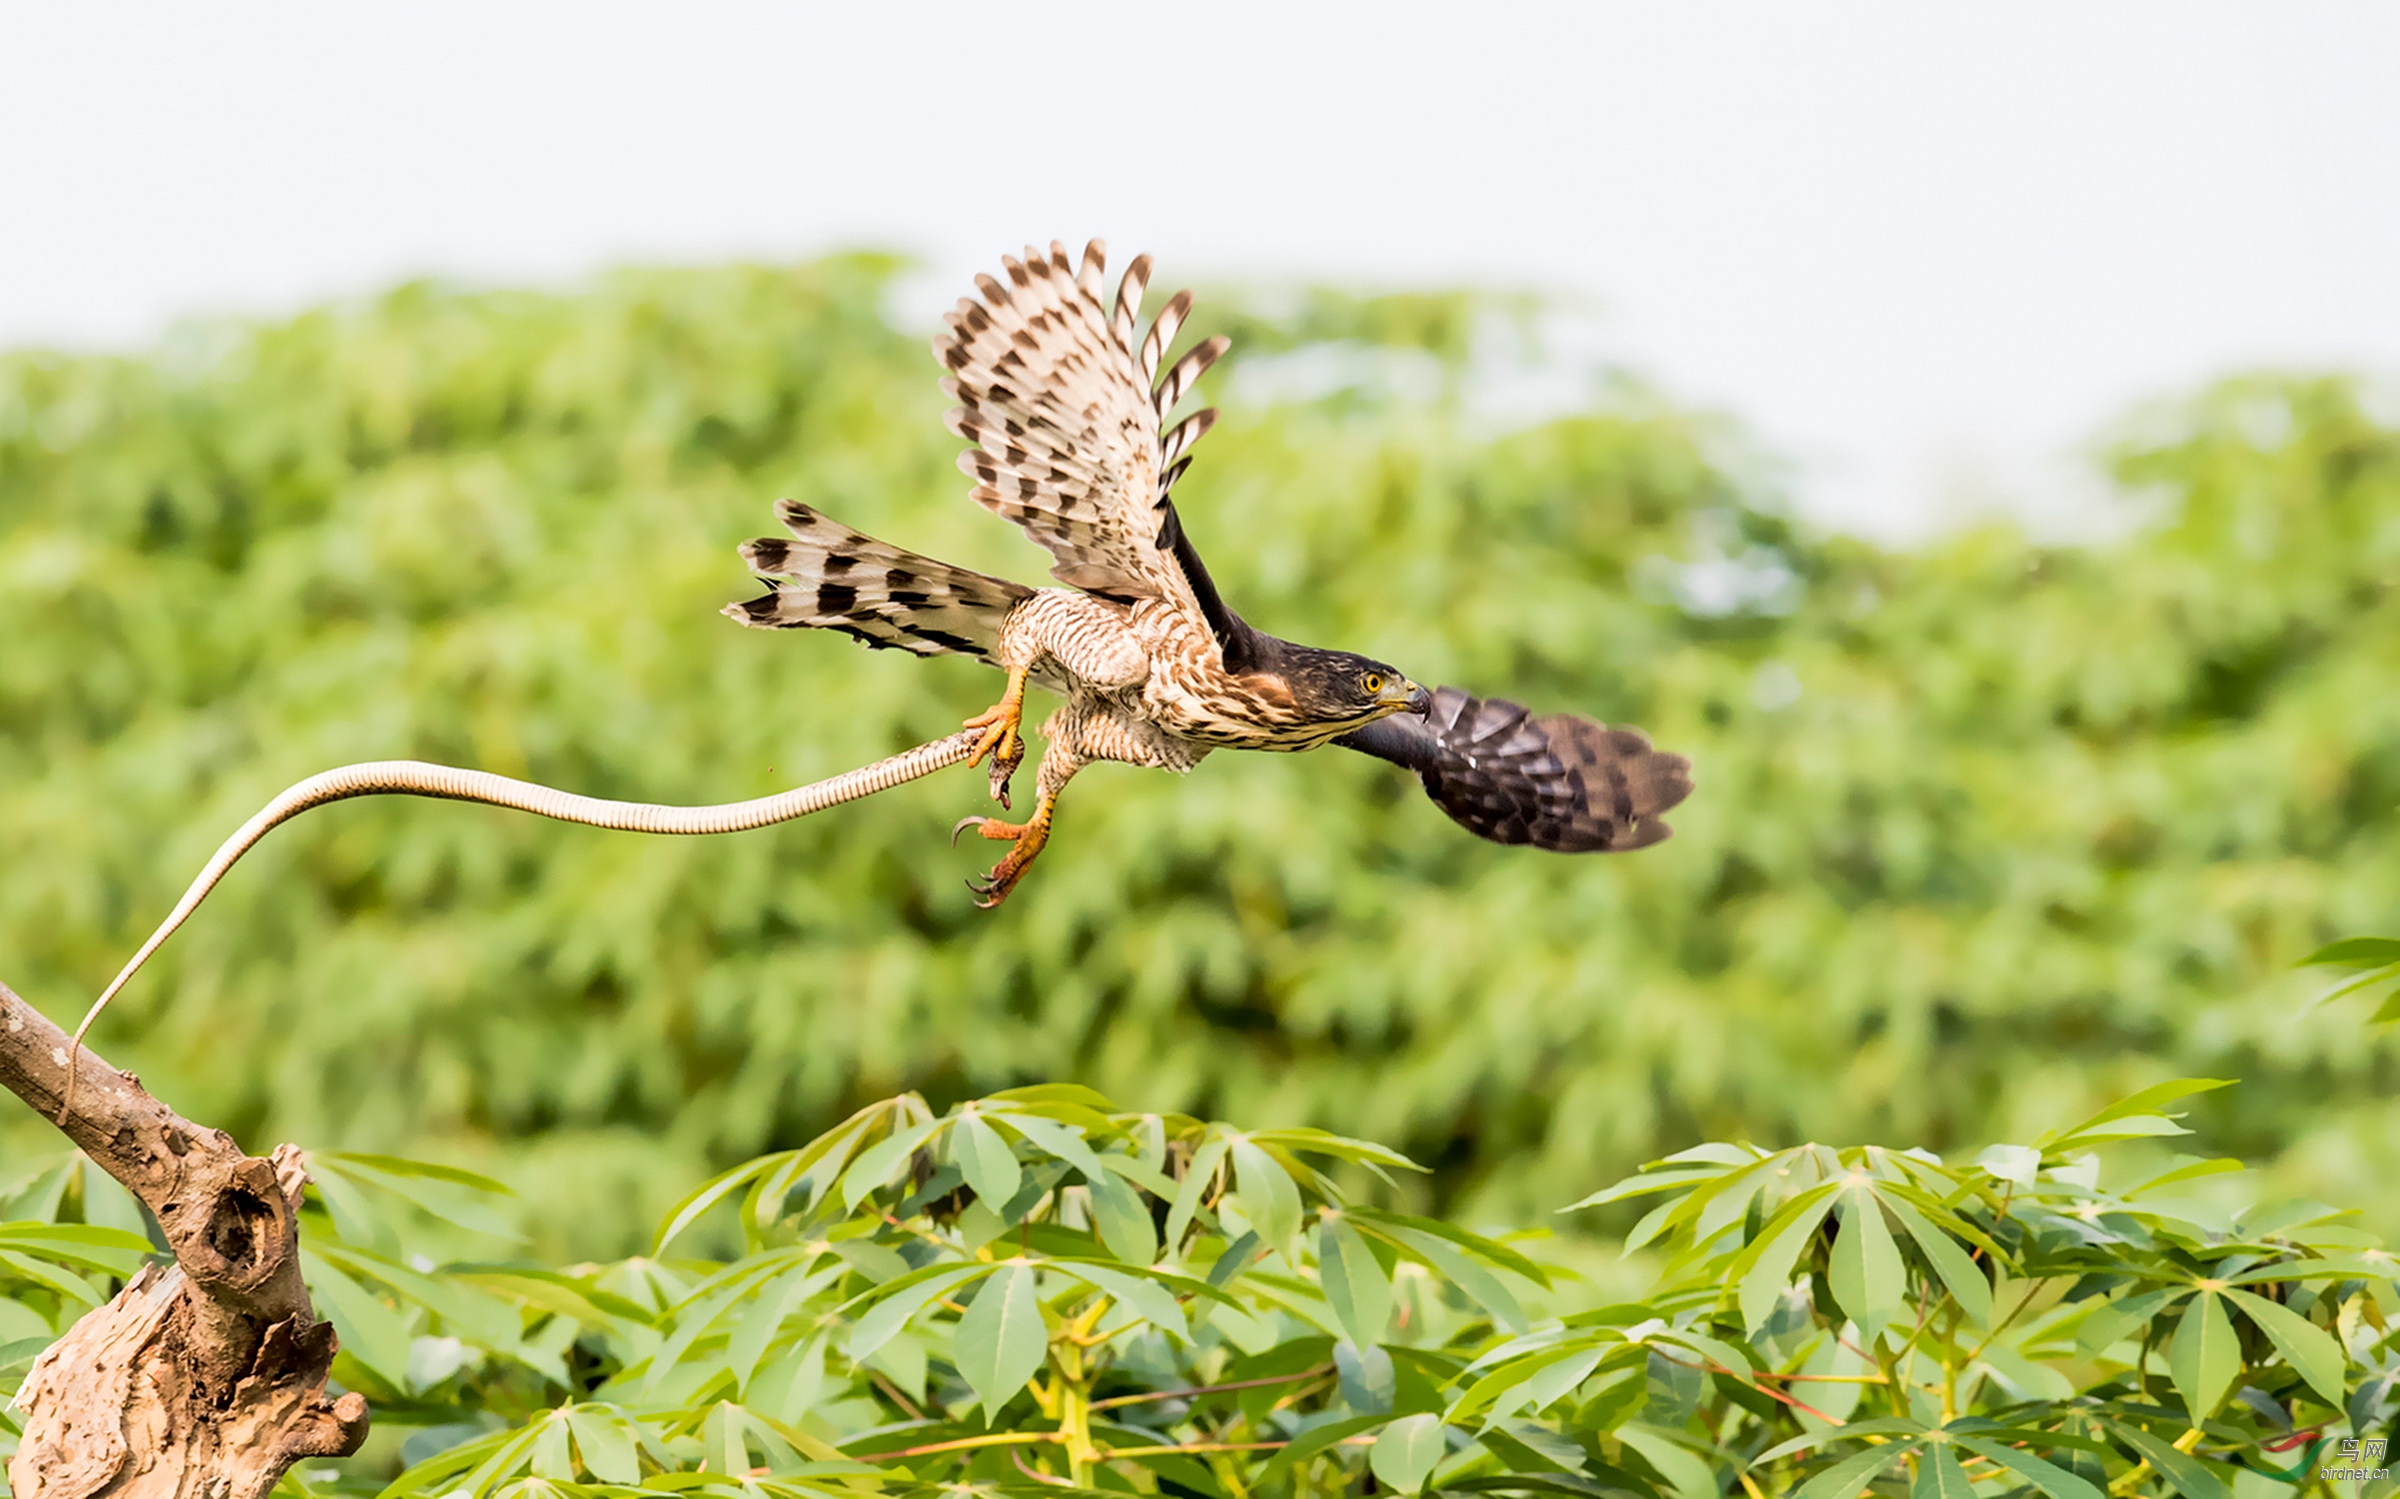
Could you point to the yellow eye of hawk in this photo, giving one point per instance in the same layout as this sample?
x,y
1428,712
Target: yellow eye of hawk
x,y
1372,681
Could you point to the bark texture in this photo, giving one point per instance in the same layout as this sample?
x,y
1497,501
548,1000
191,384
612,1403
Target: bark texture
x,y
203,1381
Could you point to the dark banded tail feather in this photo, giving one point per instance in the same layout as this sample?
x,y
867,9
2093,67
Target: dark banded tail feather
x,y
829,577
1557,781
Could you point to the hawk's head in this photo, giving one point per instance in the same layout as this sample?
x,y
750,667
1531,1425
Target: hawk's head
x,y
1337,688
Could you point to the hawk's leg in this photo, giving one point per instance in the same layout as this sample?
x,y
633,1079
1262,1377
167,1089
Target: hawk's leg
x,y
1028,836
1059,764
1002,738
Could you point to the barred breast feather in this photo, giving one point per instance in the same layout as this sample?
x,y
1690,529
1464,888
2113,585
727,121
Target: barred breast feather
x,y
1062,398
829,577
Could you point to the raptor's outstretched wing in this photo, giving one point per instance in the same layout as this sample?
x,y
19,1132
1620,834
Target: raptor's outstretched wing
x,y
1064,403
1557,782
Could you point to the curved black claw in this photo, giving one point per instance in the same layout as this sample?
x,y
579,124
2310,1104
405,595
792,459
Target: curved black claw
x,y
991,889
1005,761
965,823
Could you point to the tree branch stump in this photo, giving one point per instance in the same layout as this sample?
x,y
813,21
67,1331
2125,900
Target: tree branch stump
x,y
203,1381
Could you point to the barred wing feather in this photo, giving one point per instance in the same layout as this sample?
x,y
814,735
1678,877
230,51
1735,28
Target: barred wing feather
x,y
1062,398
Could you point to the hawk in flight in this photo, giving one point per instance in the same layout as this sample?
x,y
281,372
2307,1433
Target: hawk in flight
x,y
1060,394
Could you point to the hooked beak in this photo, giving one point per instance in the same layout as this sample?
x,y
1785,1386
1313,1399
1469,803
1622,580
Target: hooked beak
x,y
1420,701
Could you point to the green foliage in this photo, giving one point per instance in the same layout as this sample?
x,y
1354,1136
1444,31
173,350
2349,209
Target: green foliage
x,y
1986,831
1035,1290
2375,964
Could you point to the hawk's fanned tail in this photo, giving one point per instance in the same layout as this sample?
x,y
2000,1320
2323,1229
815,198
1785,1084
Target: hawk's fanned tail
x,y
1557,782
829,577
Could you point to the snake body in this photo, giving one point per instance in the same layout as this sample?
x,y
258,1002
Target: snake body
x,y
451,783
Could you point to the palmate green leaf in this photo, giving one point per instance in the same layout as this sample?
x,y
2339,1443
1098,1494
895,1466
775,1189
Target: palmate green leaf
x,y
1489,1395
1723,1203
1939,1475
711,1192
1404,1455
1958,1273
2356,952
1355,1285
2019,1164
55,1276
468,1312
501,1449
553,1452
607,1441
2110,1323
470,1200
1656,1223
1688,1475
876,1165
2189,1171
1853,1473
1762,1270
551,1291
774,1304
2373,978
2205,1358
1061,1141
1151,1299
1184,1469
1086,1109
2188,1474
791,1382
1122,1219
989,1166
889,1307
704,1309
1714,1349
1001,1340
1306,1141
370,1332
2370,1265
1315,1440
1881,1426
1193,1190
1606,1483
1479,1245
1269,1197
818,1166
2046,1476
2136,1115
1649,1181
2312,1352
1869,1279
1453,1264
113,1251
1540,1387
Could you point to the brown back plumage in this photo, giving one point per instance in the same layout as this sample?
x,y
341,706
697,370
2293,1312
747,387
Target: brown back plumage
x,y
1556,781
829,577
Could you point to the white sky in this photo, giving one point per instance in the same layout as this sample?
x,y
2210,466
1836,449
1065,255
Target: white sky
x,y
1925,248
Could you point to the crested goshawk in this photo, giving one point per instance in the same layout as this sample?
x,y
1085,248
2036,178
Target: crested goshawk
x,y
1060,394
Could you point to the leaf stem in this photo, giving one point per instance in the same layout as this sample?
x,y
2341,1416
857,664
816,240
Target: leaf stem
x,y
1713,1367
1210,1389
962,1444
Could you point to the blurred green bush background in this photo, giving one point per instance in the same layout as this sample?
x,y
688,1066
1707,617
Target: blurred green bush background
x,y
1988,830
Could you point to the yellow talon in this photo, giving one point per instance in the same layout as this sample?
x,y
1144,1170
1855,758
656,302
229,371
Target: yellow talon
x,y
1000,723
